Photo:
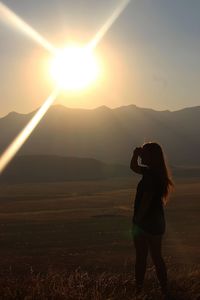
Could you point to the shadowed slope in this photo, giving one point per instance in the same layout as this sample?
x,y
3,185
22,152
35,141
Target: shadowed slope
x,y
108,134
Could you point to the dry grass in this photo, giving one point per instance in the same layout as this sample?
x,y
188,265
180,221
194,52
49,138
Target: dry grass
x,y
66,225
84,285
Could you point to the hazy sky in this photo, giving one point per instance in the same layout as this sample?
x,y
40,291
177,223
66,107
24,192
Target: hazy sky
x,y
150,56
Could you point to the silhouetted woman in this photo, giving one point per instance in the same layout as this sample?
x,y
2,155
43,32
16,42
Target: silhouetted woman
x,y
148,218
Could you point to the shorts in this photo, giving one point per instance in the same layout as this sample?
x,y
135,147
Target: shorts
x,y
137,231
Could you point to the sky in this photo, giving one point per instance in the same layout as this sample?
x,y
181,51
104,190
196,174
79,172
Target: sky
x,y
150,57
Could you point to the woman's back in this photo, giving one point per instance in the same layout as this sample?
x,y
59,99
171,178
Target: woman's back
x,y
153,221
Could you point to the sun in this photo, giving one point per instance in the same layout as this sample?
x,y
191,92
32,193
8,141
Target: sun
x,y
74,68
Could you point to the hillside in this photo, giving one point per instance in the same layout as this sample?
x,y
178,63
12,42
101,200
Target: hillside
x,y
49,168
108,134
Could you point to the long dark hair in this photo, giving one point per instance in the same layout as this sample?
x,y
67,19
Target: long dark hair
x,y
157,162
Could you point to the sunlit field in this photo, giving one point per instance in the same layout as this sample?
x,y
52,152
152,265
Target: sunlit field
x,y
78,233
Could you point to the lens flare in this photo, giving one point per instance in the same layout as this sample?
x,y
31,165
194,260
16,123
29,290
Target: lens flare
x,y
9,17
25,133
80,68
106,26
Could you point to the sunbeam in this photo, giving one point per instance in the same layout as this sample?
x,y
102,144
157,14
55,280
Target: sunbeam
x,y
106,26
14,147
9,17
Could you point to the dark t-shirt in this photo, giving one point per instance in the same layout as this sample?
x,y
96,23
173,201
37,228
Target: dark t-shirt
x,y
153,221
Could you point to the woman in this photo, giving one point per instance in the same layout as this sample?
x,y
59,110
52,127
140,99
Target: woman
x,y
148,218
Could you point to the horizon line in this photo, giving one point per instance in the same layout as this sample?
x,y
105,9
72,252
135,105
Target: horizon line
x,y
97,107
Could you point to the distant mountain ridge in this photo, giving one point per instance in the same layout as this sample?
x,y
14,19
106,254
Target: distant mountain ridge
x,y
49,168
108,134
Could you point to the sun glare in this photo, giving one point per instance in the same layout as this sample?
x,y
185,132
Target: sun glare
x,y
74,68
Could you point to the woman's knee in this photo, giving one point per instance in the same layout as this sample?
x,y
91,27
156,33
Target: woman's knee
x,y
141,258
141,243
141,254
155,247
157,259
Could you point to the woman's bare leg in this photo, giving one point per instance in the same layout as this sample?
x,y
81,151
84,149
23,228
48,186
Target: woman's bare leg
x,y
141,247
155,247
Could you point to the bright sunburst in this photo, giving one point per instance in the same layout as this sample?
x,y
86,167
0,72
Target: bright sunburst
x,y
74,68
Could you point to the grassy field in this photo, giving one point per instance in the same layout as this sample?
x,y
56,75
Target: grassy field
x,y
59,227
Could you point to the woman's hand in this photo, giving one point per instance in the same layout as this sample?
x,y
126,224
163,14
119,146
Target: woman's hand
x,y
134,161
137,151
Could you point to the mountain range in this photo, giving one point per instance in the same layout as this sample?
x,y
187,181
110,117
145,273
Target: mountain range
x,y
108,134
51,168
